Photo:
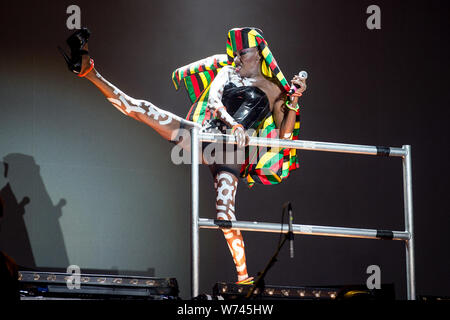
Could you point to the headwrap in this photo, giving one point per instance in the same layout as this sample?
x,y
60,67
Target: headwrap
x,y
264,166
243,38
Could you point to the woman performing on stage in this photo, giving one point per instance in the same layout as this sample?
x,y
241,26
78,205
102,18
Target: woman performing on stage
x,y
240,90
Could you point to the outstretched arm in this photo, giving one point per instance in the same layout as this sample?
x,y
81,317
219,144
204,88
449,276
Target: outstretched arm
x,y
219,111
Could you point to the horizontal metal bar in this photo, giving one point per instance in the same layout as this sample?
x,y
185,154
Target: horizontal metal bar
x,y
304,229
309,145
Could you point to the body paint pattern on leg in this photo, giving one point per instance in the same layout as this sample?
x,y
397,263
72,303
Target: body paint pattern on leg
x,y
226,187
128,105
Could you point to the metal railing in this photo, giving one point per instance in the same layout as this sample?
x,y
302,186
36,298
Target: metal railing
x,y
197,222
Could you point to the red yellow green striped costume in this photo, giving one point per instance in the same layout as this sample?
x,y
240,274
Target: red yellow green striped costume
x,y
262,165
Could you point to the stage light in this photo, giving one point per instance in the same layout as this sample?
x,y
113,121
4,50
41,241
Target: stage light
x,y
150,282
101,280
51,277
270,291
233,291
33,282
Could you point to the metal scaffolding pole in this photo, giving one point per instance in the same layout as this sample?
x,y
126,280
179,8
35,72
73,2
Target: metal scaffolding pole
x,y
195,240
310,230
408,206
309,145
197,222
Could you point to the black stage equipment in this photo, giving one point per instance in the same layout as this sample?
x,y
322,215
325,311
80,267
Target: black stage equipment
x,y
230,291
41,285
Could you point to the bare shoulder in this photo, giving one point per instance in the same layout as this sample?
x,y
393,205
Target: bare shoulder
x,y
274,90
274,93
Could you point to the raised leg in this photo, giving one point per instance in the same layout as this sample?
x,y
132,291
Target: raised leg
x,y
164,122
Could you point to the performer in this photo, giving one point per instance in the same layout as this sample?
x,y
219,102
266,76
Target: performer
x,y
244,89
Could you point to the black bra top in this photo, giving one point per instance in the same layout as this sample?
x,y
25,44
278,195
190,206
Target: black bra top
x,y
247,105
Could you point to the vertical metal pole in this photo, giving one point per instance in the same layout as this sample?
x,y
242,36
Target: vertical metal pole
x,y
195,246
408,205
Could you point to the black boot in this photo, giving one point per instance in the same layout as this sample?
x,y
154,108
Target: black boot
x,y
76,43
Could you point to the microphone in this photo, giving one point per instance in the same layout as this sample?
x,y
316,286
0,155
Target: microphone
x,y
290,233
294,87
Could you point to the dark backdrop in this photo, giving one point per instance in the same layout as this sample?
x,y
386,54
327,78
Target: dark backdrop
x,y
85,185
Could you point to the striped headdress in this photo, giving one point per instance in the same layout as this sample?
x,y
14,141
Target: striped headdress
x,y
263,166
243,38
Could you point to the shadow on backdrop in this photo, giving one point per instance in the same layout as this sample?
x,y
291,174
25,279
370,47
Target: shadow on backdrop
x,y
25,197
41,246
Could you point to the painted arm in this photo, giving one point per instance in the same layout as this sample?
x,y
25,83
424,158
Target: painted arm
x,y
215,104
219,111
